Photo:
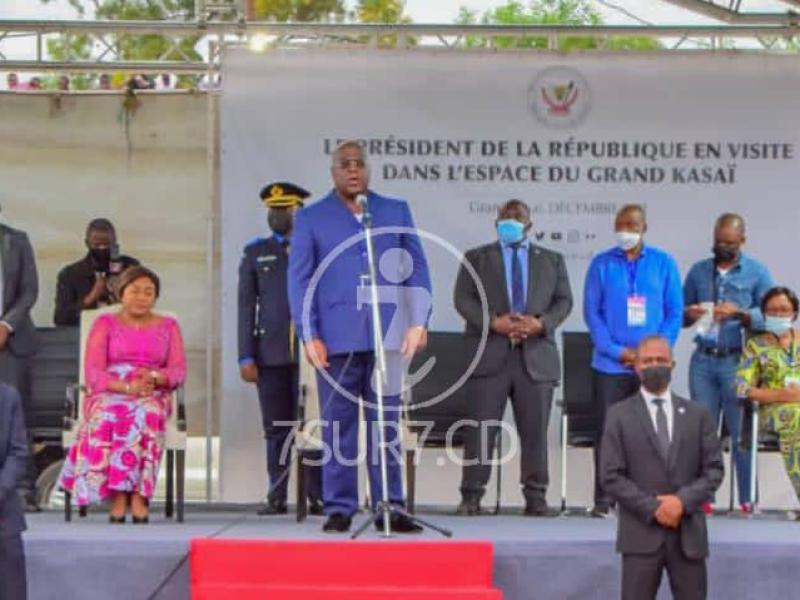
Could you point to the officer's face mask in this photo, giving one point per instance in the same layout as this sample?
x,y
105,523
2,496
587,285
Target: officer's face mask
x,y
279,220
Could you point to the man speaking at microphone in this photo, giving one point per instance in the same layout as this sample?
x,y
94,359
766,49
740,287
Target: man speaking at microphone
x,y
329,300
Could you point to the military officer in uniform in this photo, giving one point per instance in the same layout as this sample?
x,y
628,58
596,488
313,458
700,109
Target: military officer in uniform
x,y
268,349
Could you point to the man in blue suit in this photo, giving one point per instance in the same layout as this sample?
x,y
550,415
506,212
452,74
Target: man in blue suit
x,y
13,463
329,299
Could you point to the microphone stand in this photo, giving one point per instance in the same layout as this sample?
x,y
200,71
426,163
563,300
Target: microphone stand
x,y
384,507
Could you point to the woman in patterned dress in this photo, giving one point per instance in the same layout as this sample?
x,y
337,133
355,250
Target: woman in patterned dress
x,y
134,360
769,373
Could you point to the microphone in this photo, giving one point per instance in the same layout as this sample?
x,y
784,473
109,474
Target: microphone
x,y
363,202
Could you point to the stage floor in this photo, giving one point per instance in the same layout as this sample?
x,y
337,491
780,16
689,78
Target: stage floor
x,y
559,558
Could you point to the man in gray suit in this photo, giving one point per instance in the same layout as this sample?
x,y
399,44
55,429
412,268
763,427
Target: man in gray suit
x,y
13,460
660,460
20,288
528,296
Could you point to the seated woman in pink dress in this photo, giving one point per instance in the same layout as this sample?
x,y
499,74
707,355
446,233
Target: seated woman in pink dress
x,y
134,360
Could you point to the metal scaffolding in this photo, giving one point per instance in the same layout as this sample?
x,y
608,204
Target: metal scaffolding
x,y
209,38
731,11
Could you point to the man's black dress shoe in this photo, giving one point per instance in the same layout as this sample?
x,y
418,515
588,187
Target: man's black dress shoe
x,y
398,523
337,523
315,508
469,507
539,508
273,507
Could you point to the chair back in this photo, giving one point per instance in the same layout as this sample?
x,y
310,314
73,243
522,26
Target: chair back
x,y
578,400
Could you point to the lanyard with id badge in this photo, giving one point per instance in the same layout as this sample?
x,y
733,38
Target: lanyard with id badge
x,y
637,305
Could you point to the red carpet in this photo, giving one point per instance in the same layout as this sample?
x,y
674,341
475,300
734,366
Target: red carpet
x,y
389,570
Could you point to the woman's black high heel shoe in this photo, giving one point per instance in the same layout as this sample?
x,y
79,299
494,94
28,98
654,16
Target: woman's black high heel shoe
x,y
141,520
117,520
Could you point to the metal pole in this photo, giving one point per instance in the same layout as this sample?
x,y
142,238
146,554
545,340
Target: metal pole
x,y
380,367
211,161
753,454
564,432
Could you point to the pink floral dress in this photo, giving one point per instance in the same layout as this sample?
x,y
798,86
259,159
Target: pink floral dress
x,y
121,438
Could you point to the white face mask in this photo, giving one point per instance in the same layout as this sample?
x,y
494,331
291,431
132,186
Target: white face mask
x,y
628,240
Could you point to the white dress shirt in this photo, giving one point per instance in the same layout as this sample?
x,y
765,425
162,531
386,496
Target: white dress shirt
x,y
652,409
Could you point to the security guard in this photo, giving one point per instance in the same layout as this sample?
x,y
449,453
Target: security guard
x,y
267,340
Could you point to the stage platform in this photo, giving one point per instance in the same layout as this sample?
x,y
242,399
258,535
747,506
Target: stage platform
x,y
558,558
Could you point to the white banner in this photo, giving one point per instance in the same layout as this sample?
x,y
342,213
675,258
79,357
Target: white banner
x,y
457,134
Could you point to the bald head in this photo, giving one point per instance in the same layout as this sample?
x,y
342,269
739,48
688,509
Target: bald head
x,y
731,220
728,238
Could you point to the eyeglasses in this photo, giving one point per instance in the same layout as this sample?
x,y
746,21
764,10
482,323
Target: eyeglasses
x,y
346,163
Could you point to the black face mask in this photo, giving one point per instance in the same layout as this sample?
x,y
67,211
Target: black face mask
x,y
656,379
101,258
724,253
279,221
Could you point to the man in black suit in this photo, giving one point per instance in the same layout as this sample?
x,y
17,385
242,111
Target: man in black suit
x,y
13,461
660,460
88,283
527,297
18,341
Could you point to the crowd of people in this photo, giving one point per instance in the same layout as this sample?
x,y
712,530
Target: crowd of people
x,y
658,457
111,82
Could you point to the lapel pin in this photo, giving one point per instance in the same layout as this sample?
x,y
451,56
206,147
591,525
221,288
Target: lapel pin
x,y
681,410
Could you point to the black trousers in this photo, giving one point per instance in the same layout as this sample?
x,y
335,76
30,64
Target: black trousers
x,y
13,580
641,573
277,396
608,390
531,401
16,372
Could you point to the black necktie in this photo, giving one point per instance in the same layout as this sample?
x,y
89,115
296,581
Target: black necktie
x,y
662,429
517,290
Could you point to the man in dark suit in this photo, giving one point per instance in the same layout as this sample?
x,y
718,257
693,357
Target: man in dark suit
x,y
527,297
18,341
13,461
268,348
87,283
660,460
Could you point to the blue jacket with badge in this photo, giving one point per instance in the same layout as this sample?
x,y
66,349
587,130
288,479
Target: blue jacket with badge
x,y
266,335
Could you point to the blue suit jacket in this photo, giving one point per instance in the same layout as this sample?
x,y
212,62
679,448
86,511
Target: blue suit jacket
x,y
13,460
327,260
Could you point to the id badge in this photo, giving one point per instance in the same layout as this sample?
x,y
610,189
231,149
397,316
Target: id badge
x,y
637,311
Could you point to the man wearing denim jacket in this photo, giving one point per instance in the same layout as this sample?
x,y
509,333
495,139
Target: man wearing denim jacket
x,y
722,295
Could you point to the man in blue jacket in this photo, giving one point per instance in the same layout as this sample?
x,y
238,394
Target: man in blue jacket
x,y
13,462
329,298
729,287
631,291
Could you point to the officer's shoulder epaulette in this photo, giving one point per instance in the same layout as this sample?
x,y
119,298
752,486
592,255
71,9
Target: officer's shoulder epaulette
x,y
255,241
